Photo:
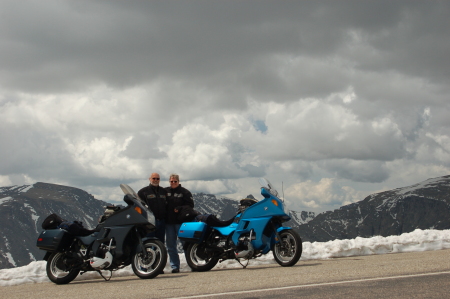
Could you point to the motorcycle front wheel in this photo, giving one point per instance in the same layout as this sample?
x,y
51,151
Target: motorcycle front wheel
x,y
288,251
197,259
151,263
58,269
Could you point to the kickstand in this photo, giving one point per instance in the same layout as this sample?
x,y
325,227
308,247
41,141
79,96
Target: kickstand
x,y
106,279
242,264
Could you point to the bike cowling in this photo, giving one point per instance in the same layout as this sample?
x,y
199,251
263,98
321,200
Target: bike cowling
x,y
118,241
256,230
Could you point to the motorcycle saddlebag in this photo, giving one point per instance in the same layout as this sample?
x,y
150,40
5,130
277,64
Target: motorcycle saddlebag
x,y
192,231
52,221
54,240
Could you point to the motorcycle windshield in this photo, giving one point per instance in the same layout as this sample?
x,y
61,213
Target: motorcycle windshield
x,y
267,185
138,202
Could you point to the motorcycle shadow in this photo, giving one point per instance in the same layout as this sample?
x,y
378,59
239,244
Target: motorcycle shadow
x,y
261,267
118,279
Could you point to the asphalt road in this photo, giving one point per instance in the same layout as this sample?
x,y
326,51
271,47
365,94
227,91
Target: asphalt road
x,y
402,275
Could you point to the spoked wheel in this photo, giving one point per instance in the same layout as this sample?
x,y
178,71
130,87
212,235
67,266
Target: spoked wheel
x,y
197,258
289,250
59,269
152,263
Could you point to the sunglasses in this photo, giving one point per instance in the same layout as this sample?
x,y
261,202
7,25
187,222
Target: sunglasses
x,y
155,179
174,181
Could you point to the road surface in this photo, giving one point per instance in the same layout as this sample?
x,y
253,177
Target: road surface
x,y
401,275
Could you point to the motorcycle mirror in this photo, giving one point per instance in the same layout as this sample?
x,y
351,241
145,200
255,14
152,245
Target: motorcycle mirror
x,y
128,200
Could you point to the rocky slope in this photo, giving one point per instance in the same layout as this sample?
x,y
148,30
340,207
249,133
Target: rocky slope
x,y
425,205
24,208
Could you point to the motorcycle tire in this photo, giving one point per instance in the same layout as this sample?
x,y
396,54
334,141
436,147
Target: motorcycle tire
x,y
198,261
58,271
289,250
153,263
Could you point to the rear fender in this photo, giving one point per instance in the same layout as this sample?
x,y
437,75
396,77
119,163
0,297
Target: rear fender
x,y
47,255
186,245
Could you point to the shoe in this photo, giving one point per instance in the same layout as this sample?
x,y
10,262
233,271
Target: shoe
x,y
176,270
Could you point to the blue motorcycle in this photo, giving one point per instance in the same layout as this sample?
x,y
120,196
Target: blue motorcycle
x,y
254,231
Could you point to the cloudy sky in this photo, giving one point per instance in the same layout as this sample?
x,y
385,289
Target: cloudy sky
x,y
330,100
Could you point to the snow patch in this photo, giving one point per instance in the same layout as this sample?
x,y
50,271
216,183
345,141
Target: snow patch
x,y
430,183
26,189
5,199
10,259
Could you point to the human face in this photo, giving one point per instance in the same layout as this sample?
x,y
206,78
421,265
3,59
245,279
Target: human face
x,y
174,182
154,179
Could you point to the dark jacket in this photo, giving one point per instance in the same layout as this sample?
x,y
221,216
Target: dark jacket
x,y
156,199
177,198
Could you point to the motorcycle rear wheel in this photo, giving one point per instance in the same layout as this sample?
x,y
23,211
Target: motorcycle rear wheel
x,y
197,261
153,263
289,250
57,269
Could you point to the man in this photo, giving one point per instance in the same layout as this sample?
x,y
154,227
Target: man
x,y
155,197
177,198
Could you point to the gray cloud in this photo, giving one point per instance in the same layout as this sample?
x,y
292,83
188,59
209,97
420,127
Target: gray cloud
x,y
335,99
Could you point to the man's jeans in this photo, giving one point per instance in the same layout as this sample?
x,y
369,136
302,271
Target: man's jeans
x,y
160,231
171,244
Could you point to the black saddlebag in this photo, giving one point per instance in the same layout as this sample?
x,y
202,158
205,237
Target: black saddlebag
x,y
52,221
54,240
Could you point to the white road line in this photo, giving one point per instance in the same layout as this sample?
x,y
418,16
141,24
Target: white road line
x,y
312,285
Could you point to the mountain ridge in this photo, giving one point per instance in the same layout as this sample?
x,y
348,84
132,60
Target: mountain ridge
x,y
425,205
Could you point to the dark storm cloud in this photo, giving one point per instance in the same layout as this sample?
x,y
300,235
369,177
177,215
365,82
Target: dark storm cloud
x,y
358,171
335,94
64,45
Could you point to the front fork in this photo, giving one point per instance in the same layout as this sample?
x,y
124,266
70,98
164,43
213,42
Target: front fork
x,y
141,244
276,236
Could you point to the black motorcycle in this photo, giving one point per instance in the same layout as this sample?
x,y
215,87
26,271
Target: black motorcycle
x,y
117,241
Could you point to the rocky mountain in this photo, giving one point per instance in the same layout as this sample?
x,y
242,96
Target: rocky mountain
x,y
425,205
223,207
24,208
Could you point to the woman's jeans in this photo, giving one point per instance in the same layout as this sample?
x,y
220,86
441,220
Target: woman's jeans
x,y
171,244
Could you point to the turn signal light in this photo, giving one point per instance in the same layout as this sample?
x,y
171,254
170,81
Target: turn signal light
x,y
275,202
138,209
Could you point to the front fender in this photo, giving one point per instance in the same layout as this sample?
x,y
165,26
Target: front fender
x,y
274,239
149,238
282,228
138,248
